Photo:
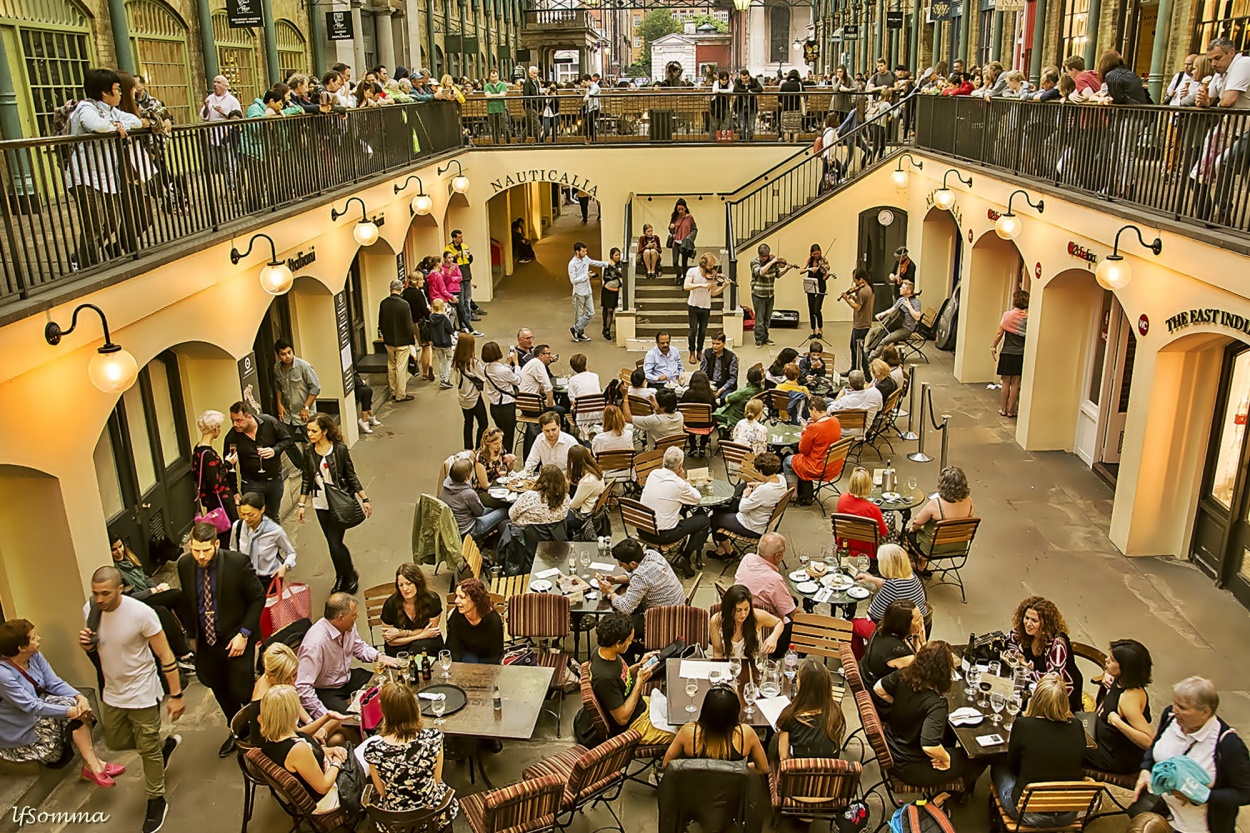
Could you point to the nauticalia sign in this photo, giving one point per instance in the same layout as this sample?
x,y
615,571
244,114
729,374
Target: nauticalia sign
x,y
522,177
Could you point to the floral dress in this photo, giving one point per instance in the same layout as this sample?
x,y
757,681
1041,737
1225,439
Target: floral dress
x,y
407,772
215,480
754,434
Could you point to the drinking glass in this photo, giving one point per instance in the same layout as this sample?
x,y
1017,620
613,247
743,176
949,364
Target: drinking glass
x,y
438,705
912,483
831,559
584,558
983,699
735,670
1014,703
444,662
770,679
405,659
973,678
804,557
572,562
791,664
750,693
692,691
996,668
997,701
863,562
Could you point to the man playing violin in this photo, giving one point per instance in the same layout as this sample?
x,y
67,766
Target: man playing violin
x,y
765,270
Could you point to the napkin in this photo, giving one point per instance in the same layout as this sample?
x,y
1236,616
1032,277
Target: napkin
x,y
659,713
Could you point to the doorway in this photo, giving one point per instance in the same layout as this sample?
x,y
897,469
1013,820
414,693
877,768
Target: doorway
x,y
142,461
1221,540
881,231
1108,375
275,325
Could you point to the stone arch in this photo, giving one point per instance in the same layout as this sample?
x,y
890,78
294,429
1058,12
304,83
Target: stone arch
x,y
158,39
994,270
940,256
240,57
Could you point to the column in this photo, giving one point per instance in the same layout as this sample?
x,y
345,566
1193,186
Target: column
x,y
1158,55
10,120
121,37
913,46
971,9
1039,38
429,36
878,12
208,46
996,47
317,33
271,42
385,38
358,41
1091,32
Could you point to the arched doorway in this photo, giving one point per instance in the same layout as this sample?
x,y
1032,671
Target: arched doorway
x,y
882,229
239,57
939,261
995,271
55,46
292,48
158,41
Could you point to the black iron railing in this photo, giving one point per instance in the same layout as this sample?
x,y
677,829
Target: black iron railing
x,y
659,115
77,205
754,213
1189,164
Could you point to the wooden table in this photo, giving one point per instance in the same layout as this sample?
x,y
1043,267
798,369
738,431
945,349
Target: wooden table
x,y
675,691
784,435
967,735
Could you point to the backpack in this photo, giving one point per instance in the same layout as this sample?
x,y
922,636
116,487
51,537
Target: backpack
x,y
61,117
920,817
584,729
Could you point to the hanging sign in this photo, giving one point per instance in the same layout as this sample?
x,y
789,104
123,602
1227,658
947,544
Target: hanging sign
x,y
243,14
339,26
1143,325
894,20
342,322
248,377
851,30
941,10
401,267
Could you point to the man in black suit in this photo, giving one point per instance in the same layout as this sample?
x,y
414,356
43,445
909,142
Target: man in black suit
x,y
398,334
223,600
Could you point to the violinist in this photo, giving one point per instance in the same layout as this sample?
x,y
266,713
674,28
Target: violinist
x,y
765,270
815,278
860,299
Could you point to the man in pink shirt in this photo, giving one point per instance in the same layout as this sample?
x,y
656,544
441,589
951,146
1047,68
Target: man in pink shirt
x,y
760,573
1087,80
326,680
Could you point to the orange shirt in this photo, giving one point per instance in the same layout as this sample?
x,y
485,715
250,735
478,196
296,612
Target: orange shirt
x,y
813,446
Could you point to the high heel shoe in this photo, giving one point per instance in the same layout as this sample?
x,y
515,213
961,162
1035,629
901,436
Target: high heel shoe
x,y
101,780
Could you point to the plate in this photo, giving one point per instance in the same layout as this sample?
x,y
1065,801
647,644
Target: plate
x,y
858,593
498,492
891,496
807,587
456,699
540,585
838,581
799,575
966,716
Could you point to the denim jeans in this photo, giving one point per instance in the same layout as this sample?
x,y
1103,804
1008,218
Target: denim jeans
x,y
488,521
698,327
583,311
763,314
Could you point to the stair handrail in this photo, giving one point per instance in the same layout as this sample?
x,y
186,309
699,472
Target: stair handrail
x,y
627,258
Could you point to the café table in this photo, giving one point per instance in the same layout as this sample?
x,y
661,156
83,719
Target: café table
x,y
839,598
555,554
675,692
907,500
714,493
523,689
784,435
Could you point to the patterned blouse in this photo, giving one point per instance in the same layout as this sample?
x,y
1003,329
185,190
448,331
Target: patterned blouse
x,y
214,476
407,772
754,434
531,510
494,470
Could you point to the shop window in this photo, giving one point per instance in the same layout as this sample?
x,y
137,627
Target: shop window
x,y
778,34
163,413
1072,28
985,42
158,41
1222,19
237,54
292,48
106,476
145,469
1232,432
55,63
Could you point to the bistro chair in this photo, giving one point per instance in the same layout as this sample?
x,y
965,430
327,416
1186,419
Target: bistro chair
x,y
542,619
878,432
646,462
471,557
519,808
948,550
587,410
291,795
642,519
854,682
671,441
855,528
1097,658
640,405
243,741
914,343
375,599
734,455
871,723
1075,799
852,421
835,456
699,424
617,468
742,543
590,776
599,719
821,636
814,787
529,407
408,821
663,625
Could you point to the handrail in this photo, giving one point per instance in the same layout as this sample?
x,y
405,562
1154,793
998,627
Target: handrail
x,y
627,257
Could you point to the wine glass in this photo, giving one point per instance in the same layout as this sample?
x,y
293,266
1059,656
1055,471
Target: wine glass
x,y
791,664
572,562
438,705
863,562
444,662
1014,703
584,558
804,557
985,687
996,668
831,559
997,701
692,691
973,678
404,659
714,677
735,669
912,483
750,693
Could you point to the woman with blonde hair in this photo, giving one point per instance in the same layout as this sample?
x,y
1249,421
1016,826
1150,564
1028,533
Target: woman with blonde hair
x,y
406,760
1040,632
750,430
214,477
854,501
703,283
1047,744
315,767
881,379
281,666
897,581
617,434
448,91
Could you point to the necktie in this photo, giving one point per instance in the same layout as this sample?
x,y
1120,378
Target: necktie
x,y
210,614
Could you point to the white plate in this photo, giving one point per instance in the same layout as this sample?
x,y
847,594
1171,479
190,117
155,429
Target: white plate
x,y
540,585
498,492
858,593
891,495
838,581
807,587
799,575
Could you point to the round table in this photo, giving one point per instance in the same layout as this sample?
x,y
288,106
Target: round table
x,y
838,599
909,499
783,435
715,493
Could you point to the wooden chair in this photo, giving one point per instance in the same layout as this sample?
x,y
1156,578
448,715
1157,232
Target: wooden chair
x,y
590,776
526,806
543,619
587,410
411,821
698,421
855,528
471,555
642,519
251,779
878,431
948,550
914,344
821,636
646,462
741,543
694,588
733,455
835,456
1097,658
871,723
777,402
640,406
529,407
853,421
1076,799
814,787
671,441
748,473
375,598
661,625
291,795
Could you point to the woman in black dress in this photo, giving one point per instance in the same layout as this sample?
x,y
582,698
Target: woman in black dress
x,y
610,293
474,628
1011,332
894,644
411,614
327,463
1122,732
815,284
812,725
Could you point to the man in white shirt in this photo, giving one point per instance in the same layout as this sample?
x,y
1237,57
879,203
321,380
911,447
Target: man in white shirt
x,y
579,276
218,106
344,92
583,382
552,448
535,378
665,494
858,397
662,363
1232,80
1180,82
665,422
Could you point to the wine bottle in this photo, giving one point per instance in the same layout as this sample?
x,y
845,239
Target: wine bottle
x,y
497,699
428,671
968,659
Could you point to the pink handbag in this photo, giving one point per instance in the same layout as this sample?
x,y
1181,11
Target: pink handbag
x,y
217,517
371,709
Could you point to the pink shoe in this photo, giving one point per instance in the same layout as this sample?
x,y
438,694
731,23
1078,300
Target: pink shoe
x,y
101,780
114,770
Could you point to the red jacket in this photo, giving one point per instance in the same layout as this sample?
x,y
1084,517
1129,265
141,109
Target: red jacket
x,y
964,88
813,446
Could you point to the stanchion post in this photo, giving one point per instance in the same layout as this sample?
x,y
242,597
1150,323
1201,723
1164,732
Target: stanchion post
x,y
919,456
911,435
946,420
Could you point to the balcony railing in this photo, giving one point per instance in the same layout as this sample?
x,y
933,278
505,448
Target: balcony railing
x,y
75,206
632,117
558,19
1189,164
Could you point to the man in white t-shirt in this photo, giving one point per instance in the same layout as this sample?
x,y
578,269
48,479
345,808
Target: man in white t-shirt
x,y
1232,80
666,493
125,633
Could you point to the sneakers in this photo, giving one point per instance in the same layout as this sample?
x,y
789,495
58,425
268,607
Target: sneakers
x,y
187,663
573,333
579,336
444,385
155,816
364,426
171,745
373,420
478,334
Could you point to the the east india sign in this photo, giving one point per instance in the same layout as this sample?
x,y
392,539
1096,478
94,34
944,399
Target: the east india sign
x,y
522,177
1209,315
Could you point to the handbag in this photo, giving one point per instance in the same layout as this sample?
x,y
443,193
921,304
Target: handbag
x,y
217,517
371,708
346,510
285,604
520,656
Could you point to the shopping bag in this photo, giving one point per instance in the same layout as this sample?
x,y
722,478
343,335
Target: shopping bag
x,y
284,603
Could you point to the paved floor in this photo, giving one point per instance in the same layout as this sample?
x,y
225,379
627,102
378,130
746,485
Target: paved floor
x,y
1044,531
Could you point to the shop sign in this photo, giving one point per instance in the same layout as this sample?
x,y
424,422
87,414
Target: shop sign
x,y
243,14
1081,253
1037,270
894,20
248,377
850,31
522,177
339,26
941,10
342,323
992,215
1009,5
401,267
301,260
1143,325
1209,315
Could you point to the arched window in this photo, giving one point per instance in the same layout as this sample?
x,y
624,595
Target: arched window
x,y
238,57
292,49
158,41
54,43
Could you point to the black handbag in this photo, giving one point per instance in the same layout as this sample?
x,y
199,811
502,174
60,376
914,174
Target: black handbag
x,y
346,510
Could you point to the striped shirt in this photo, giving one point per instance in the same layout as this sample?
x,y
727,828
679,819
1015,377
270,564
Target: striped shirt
x,y
898,588
653,584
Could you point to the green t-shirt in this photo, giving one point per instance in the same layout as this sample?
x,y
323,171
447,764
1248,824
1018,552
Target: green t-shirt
x,y
496,105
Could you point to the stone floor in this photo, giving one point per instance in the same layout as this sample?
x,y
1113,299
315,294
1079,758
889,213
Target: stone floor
x,y
1044,531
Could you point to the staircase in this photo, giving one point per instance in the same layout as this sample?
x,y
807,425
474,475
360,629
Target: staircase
x,y
661,305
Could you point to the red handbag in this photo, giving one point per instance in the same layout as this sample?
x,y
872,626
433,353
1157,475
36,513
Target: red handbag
x,y
371,709
284,603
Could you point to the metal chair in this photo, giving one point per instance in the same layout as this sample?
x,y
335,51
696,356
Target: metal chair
x,y
814,787
375,599
472,557
243,741
1092,655
948,550
878,431
1075,798
914,344
543,619
698,421
646,462
642,519
590,776
526,806
821,636
428,820
871,723
733,455
855,528
853,421
694,588
855,682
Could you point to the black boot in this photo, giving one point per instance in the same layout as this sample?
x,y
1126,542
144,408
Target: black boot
x,y
351,584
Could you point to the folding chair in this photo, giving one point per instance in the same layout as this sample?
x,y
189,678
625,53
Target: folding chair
x,y
526,806
698,421
855,528
1076,800
741,543
663,625
814,787
835,456
914,344
642,519
587,410
542,619
948,549
733,455
878,431
590,776
472,557
853,422
375,598
640,406
671,441
645,463
529,407
617,468
821,636
777,402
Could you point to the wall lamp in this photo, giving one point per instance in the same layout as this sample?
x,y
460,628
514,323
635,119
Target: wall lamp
x,y
112,369
365,232
1114,272
1008,226
421,203
276,277
944,197
459,182
899,175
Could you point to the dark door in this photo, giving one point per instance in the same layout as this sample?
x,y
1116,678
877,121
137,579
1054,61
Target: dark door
x,y
275,325
361,344
881,231
1222,530
143,464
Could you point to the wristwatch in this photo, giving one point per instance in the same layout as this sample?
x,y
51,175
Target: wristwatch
x,y
177,696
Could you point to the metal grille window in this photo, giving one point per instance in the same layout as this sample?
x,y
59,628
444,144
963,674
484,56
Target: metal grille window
x,y
985,44
237,53
292,48
55,65
778,34
1072,28
1222,19
158,40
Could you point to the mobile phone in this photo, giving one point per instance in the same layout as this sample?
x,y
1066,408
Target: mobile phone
x,y
651,663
